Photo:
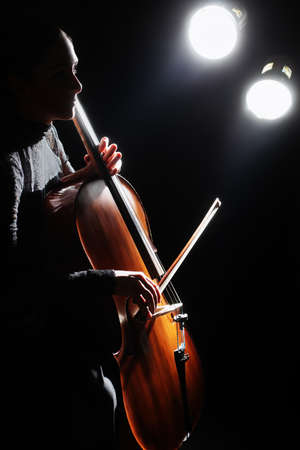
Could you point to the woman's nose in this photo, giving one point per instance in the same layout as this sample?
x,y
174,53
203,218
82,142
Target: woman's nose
x,y
76,85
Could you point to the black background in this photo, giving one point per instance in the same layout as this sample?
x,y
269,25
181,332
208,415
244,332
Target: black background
x,y
186,139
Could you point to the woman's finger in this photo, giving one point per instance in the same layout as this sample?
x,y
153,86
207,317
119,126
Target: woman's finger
x,y
117,168
107,152
113,160
103,144
144,296
151,285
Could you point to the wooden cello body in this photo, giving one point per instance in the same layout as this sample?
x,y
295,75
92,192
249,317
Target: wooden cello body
x,y
162,394
160,370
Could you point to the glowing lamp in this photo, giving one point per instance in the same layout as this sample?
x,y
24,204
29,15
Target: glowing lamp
x,y
270,98
213,30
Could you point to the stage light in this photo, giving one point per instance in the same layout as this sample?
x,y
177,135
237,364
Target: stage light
x,y
213,30
270,98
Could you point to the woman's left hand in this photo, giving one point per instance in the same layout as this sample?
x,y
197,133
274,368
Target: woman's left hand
x,y
110,155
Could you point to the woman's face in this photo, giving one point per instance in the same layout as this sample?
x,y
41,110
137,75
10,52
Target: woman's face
x,y
50,93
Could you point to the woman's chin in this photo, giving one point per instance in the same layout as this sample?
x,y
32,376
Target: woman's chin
x,y
66,115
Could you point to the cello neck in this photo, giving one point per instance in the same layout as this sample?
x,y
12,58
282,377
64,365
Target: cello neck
x,y
91,143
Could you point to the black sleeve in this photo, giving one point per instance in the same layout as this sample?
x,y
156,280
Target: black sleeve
x,y
27,291
104,280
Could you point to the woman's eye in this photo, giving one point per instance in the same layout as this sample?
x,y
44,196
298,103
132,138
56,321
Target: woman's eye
x,y
59,74
64,73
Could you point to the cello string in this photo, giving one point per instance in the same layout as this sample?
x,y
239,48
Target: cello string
x,y
173,294
169,291
85,128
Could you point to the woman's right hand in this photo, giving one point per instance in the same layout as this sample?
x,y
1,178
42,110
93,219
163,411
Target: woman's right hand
x,y
136,285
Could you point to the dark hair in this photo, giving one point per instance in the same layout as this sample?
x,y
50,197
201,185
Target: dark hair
x,y
24,44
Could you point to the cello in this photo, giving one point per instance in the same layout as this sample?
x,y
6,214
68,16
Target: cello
x,y
161,374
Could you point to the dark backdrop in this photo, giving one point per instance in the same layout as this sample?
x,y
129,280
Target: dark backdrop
x,y
187,139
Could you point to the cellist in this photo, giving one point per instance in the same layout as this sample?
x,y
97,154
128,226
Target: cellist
x,y
53,390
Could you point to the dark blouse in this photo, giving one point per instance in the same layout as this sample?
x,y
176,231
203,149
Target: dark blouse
x,y
53,331
32,161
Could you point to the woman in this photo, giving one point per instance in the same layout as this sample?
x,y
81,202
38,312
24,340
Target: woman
x,y
53,387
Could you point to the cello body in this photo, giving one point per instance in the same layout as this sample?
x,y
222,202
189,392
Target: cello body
x,y
162,387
